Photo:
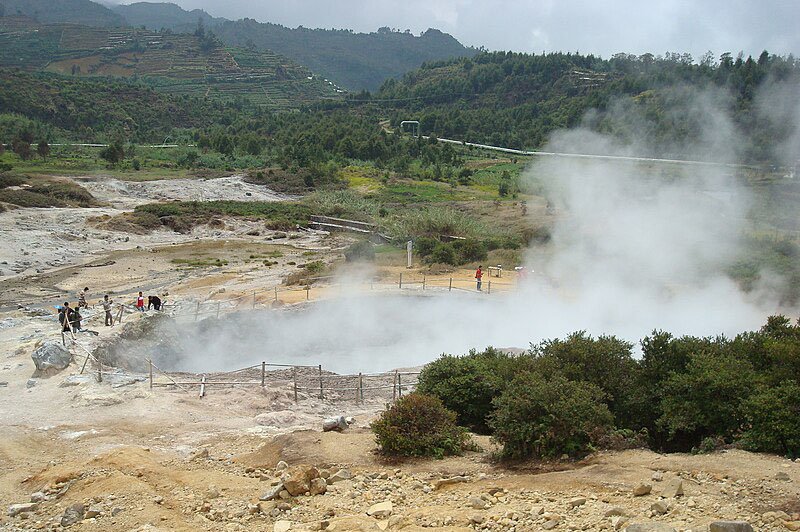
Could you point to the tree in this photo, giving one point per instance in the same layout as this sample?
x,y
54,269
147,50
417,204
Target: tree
x,y
22,148
114,153
43,149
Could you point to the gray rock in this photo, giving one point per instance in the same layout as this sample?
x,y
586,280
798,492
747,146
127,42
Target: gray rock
x,y
94,511
478,503
281,466
550,525
730,526
73,514
782,475
24,508
31,383
318,486
335,423
51,358
661,507
577,501
381,510
642,489
272,493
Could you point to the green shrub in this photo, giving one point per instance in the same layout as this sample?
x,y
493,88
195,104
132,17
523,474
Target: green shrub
x,y
546,418
468,384
361,251
773,417
419,425
470,250
10,180
443,254
425,245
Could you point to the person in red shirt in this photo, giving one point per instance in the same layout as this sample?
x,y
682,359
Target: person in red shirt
x,y
479,276
140,303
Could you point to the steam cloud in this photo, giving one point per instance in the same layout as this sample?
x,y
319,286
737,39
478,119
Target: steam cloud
x,y
635,247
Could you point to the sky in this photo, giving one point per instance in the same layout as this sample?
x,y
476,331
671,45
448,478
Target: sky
x,y
600,27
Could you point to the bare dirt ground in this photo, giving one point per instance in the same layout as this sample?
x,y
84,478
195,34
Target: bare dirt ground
x,y
121,456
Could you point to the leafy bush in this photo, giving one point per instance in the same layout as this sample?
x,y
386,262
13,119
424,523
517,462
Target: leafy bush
x,y
443,254
773,417
361,251
467,385
10,180
419,425
546,418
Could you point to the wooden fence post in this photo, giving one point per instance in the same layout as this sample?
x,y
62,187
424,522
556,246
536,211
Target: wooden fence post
x,y
150,361
254,299
399,385
218,305
99,370
401,280
203,386
490,287
394,386
197,311
263,374
424,280
294,376
361,387
308,289
321,394
276,293
450,289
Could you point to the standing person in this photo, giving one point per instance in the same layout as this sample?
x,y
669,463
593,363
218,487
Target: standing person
x,y
76,319
140,303
479,276
82,298
65,316
154,301
107,307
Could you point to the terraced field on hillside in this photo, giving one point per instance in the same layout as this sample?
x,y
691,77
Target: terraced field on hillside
x,y
173,63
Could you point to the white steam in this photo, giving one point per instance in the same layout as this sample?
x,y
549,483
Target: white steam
x,y
635,247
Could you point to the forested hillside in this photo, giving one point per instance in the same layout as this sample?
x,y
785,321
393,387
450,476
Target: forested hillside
x,y
353,60
195,64
159,16
516,100
61,11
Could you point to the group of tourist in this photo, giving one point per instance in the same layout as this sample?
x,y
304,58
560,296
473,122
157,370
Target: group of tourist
x,y
70,317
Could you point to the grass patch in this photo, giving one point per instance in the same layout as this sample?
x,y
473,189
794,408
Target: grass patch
x,y
39,192
200,263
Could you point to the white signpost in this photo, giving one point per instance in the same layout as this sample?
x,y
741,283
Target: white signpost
x,y
409,245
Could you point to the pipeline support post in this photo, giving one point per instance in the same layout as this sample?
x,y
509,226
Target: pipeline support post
x,y
401,280
218,305
263,374
361,387
150,362
294,377
424,280
254,299
197,311
321,394
450,288
399,385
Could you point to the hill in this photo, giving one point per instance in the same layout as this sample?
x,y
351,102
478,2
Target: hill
x,y
161,16
58,11
517,100
195,64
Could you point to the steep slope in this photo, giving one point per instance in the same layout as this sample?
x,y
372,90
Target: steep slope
x,y
57,11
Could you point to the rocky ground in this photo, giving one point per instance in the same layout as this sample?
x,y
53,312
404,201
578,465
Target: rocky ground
x,y
117,455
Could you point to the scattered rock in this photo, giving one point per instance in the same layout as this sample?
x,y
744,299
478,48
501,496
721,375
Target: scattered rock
x,y
272,493
298,480
642,489
730,526
342,474
200,454
661,507
382,510
674,488
447,481
618,521
73,514
17,509
51,358
649,527
38,496
478,503
318,486
94,511
577,501
657,476
282,526
550,525
615,511
281,466
782,475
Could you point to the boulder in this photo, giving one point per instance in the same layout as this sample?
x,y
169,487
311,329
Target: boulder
x,y
94,511
51,358
661,507
478,503
334,423
642,489
615,511
730,526
281,466
448,481
577,501
782,475
674,488
382,510
298,480
282,526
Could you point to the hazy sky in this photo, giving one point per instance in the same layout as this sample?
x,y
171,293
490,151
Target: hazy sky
x,y
600,27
